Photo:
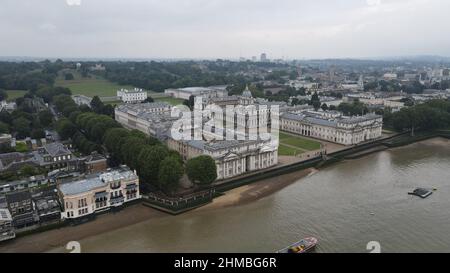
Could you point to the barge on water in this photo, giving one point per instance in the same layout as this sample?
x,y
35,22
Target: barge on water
x,y
422,193
302,246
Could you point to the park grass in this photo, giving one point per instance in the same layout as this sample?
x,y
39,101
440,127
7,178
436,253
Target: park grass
x,y
90,86
288,151
14,94
170,100
299,142
94,86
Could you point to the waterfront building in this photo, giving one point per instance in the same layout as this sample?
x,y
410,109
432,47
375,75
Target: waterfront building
x,y
47,205
6,225
98,193
132,96
24,184
333,126
232,157
205,92
22,209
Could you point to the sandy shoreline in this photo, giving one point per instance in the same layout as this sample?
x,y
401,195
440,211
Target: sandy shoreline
x,y
252,192
45,241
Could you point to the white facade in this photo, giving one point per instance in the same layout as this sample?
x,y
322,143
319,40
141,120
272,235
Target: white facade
x,y
88,196
132,96
150,118
206,92
232,157
333,128
82,100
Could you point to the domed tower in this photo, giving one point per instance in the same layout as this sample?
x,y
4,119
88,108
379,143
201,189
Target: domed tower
x,y
246,98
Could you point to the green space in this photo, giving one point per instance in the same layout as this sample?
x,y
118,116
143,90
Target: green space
x,y
299,142
289,151
21,147
171,101
89,86
14,94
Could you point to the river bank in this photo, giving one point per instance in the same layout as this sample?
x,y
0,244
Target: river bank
x,y
344,205
138,213
135,214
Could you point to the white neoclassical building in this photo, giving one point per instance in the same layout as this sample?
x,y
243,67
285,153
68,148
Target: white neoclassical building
x,y
232,157
333,127
132,96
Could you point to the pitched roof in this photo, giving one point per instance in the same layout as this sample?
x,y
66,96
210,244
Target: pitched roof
x,y
56,149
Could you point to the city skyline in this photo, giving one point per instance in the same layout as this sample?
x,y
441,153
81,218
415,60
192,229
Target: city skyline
x,y
200,29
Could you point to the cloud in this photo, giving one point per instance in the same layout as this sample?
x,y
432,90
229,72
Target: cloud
x,y
373,2
73,2
224,28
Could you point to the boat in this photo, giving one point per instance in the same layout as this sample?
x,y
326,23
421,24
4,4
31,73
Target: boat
x,y
302,246
423,193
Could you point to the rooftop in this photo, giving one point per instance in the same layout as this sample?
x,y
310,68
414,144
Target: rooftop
x,y
56,149
85,185
5,215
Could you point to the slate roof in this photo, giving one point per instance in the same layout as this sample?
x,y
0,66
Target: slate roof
x,y
56,149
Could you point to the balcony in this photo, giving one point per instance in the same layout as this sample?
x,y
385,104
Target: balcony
x,y
115,186
117,200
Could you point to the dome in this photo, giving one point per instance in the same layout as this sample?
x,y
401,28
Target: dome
x,y
247,93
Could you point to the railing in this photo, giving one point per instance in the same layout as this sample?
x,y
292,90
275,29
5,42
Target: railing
x,y
116,199
175,205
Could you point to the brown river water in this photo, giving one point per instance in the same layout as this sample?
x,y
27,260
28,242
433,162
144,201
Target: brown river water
x,y
345,206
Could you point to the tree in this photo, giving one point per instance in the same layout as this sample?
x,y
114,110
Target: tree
x,y
97,105
315,101
37,133
22,127
28,171
170,172
130,151
201,170
45,118
4,128
68,76
149,99
3,95
324,107
149,160
112,140
65,128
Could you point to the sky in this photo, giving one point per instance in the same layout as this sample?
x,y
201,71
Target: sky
x,y
300,29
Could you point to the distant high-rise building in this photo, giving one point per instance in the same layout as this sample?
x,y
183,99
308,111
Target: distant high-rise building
x,y
263,57
332,72
254,58
361,83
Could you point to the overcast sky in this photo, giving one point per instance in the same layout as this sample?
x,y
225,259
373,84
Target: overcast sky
x,y
224,28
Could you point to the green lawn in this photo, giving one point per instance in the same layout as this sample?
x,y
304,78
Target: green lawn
x,y
171,101
21,147
289,151
90,87
14,94
299,142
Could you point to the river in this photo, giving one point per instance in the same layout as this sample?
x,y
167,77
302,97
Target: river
x,y
345,206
